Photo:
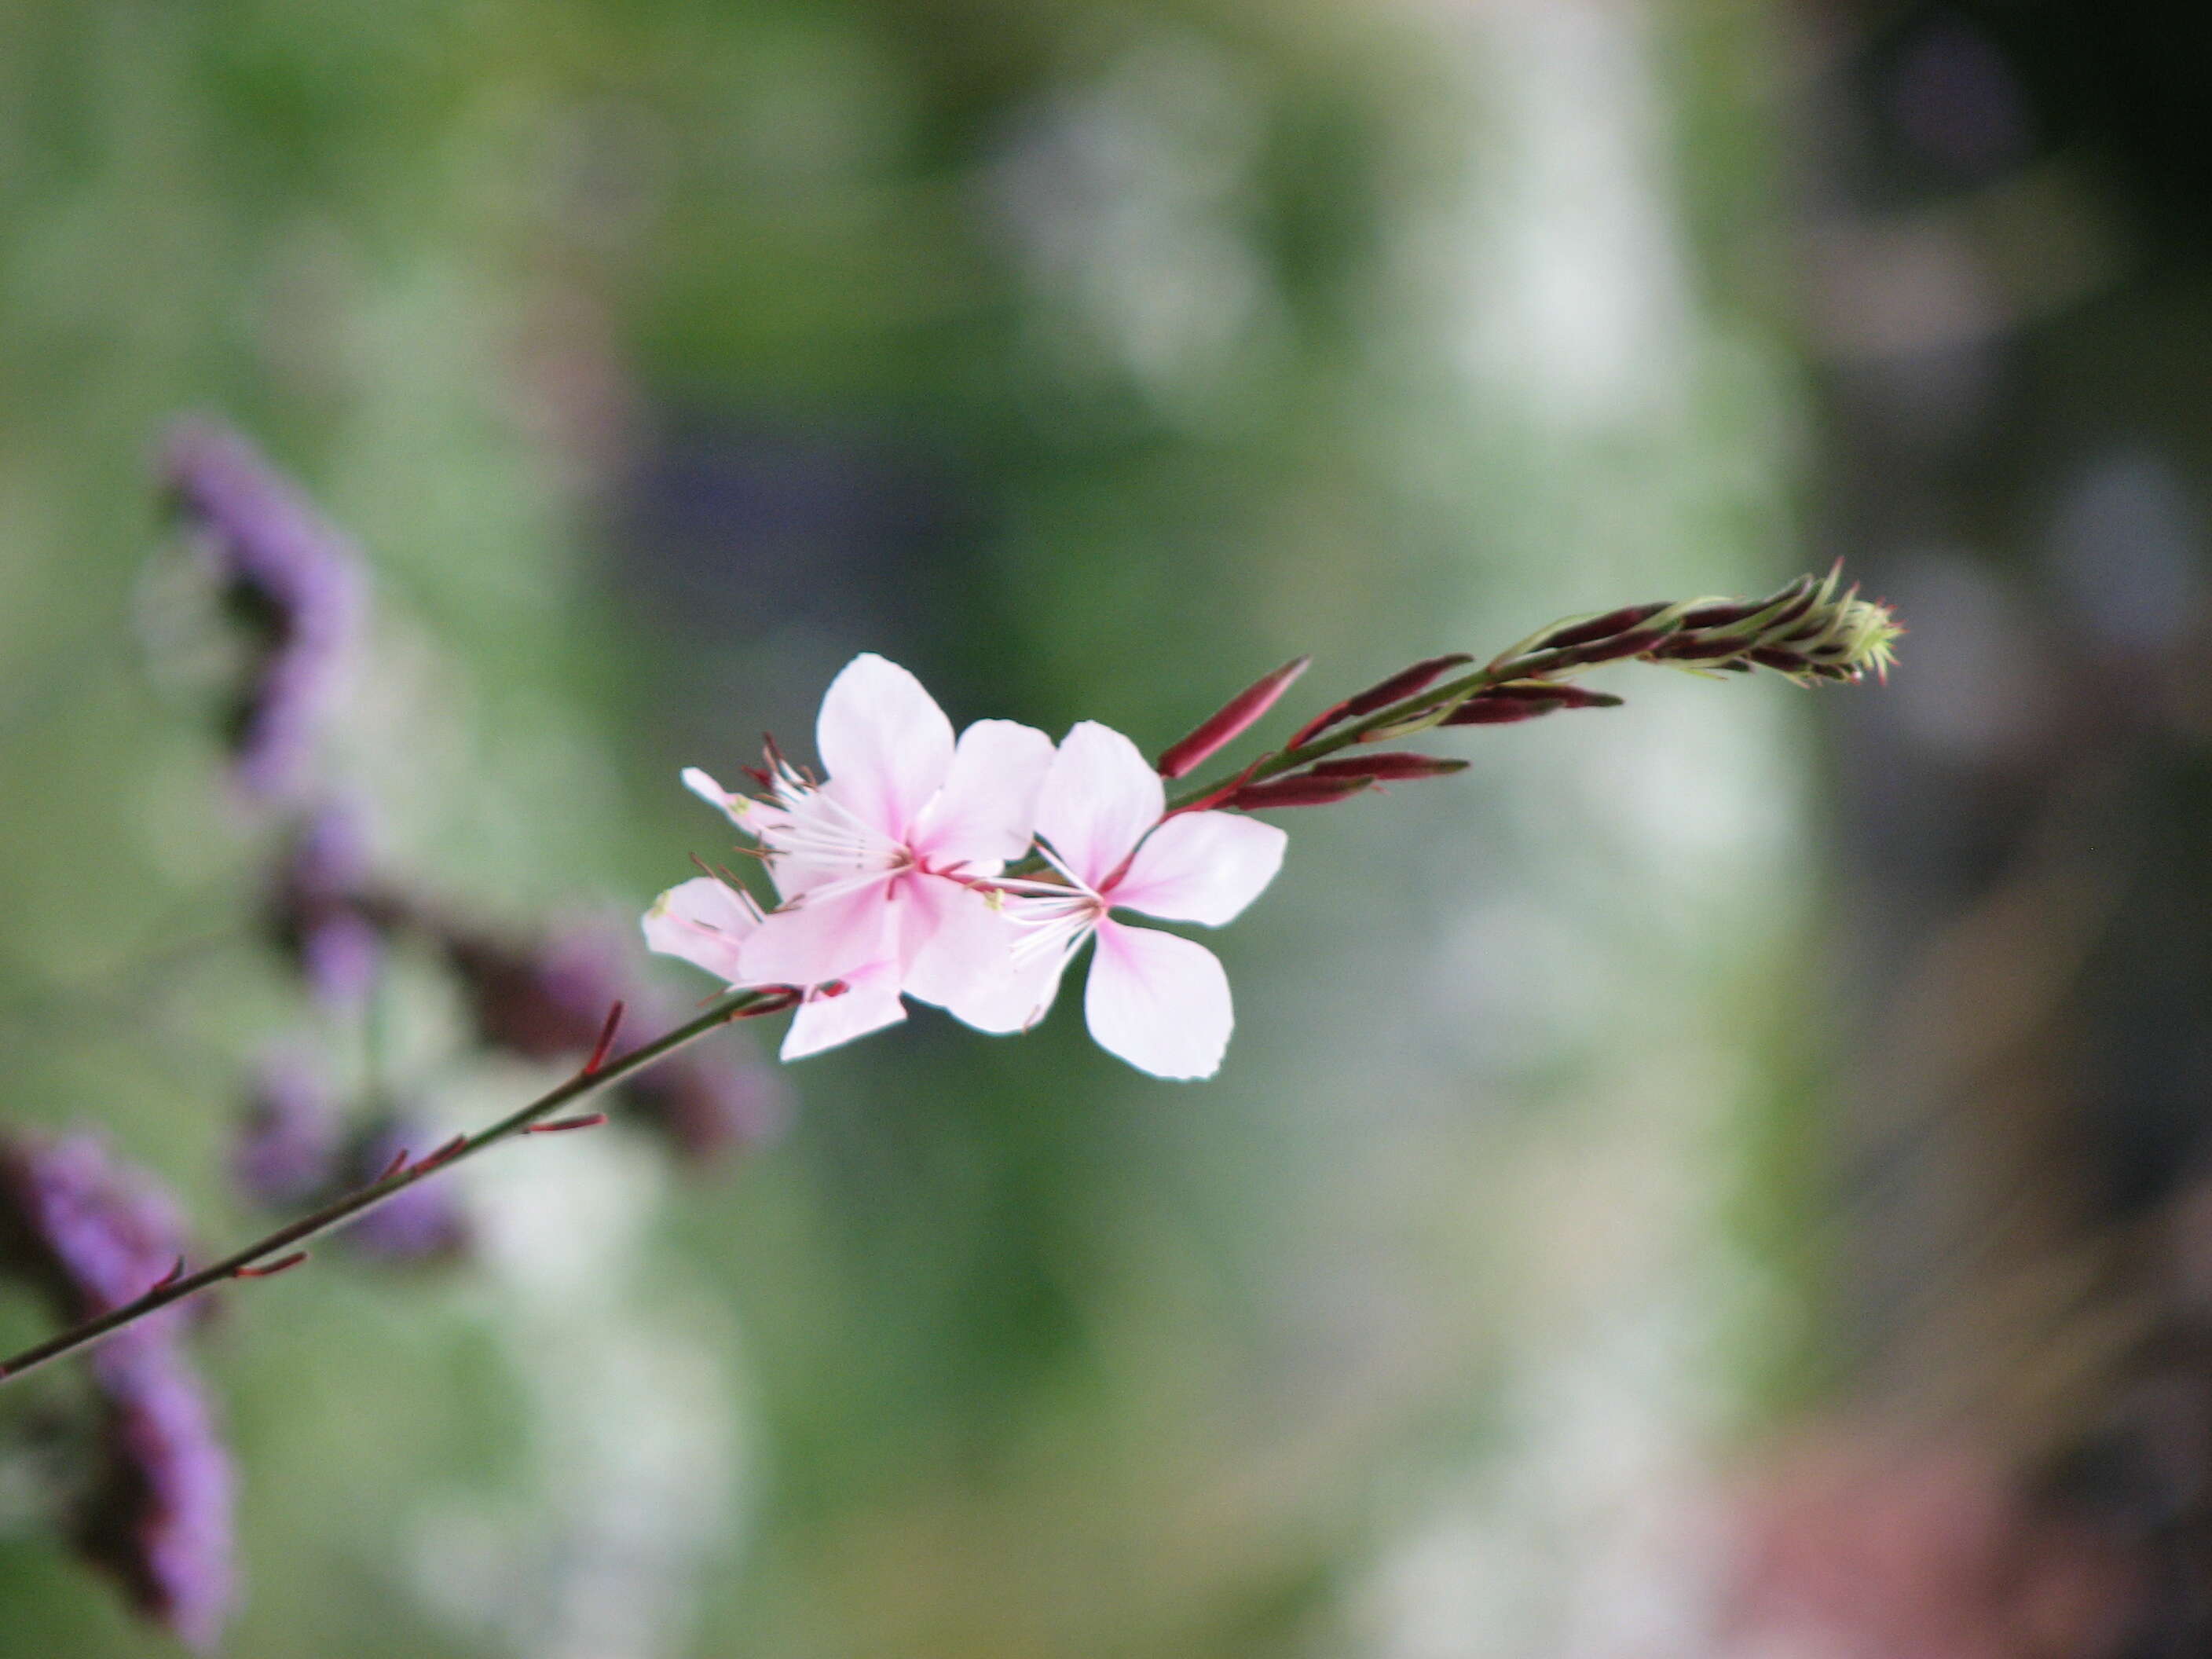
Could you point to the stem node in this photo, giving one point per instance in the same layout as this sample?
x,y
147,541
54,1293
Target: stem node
x,y
606,1042
560,1126
283,1264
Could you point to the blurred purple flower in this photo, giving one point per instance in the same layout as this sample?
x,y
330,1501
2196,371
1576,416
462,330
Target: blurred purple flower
x,y
288,1148
553,1002
292,582
542,1004
423,1222
708,1107
92,1234
320,911
160,1515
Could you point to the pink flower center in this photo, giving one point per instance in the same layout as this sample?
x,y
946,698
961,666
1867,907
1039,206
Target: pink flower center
x,y
1057,919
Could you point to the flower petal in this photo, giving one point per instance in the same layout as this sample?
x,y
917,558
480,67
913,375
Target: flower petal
x,y
869,1002
1098,799
749,815
885,743
1202,867
1014,998
970,967
818,940
704,922
946,933
984,814
1158,1001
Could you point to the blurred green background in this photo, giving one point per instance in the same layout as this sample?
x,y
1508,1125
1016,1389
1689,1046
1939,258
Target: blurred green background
x,y
1088,360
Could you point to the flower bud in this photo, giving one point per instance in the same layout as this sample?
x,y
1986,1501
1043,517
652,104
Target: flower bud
x,y
1525,700
1302,790
1234,717
1387,768
1381,695
1792,602
1618,648
1482,711
1807,630
1596,630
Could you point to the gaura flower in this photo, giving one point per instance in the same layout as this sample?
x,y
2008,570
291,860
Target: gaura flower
x,y
875,864
707,922
1159,1001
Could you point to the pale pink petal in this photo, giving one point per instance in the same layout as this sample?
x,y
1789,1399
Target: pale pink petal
x,y
703,922
701,783
869,1002
749,815
1098,799
1013,993
927,907
1202,867
819,941
968,966
983,816
884,744
1159,1002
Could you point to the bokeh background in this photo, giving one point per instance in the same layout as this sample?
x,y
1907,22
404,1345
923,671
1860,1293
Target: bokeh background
x,y
1722,1176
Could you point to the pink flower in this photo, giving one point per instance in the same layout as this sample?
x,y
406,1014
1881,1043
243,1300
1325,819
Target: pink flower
x,y
706,921
874,862
1159,1001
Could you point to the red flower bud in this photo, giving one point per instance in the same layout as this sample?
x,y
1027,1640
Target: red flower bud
x,y
1614,648
1597,627
1234,717
1554,692
1785,607
1484,712
1524,700
1381,695
1687,647
1302,790
1387,768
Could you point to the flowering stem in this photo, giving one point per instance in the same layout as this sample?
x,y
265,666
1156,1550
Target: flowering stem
x,y
254,1260
1808,632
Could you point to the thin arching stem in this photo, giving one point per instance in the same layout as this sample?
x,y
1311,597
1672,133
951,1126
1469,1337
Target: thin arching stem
x,y
257,1257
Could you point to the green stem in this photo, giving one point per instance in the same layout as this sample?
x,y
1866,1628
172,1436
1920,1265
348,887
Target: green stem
x,y
736,1005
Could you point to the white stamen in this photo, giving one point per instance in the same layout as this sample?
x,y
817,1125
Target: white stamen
x,y
820,830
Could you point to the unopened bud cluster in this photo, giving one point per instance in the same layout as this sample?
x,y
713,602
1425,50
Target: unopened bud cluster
x,y
1809,632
